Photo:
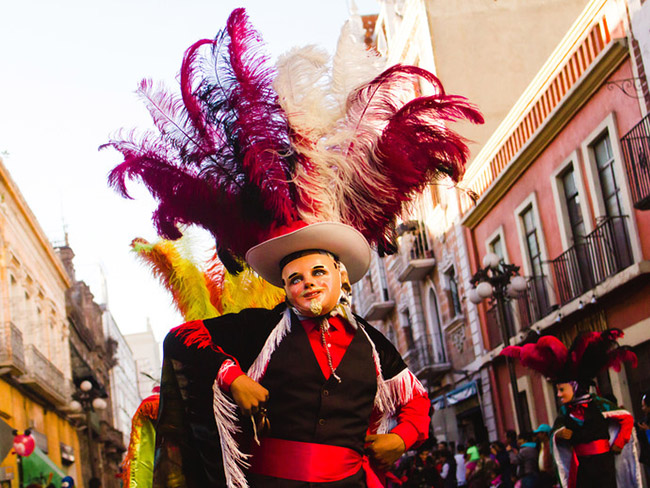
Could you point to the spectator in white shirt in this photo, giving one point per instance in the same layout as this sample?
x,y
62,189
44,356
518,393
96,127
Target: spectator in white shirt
x,y
460,466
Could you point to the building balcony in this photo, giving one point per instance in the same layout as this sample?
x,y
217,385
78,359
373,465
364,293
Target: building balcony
x,y
601,254
636,148
495,337
44,378
416,269
12,352
375,306
533,304
415,260
422,360
112,437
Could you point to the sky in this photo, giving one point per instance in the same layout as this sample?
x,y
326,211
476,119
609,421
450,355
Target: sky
x,y
68,72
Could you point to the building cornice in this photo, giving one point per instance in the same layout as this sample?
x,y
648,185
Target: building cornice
x,y
33,224
606,63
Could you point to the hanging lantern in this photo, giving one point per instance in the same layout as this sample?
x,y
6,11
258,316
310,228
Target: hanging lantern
x,y
23,443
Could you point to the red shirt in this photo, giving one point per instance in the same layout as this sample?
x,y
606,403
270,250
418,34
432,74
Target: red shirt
x,y
412,418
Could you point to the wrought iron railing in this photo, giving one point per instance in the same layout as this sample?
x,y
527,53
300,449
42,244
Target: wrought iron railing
x,y
601,254
364,300
422,355
534,303
415,243
12,352
520,312
636,148
495,336
44,374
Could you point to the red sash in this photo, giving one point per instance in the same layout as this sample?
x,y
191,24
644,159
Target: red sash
x,y
311,463
592,448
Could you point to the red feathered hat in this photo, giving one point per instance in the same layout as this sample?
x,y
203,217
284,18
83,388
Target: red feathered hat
x,y
590,353
248,146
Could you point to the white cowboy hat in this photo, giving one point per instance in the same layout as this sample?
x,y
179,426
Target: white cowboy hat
x,y
345,242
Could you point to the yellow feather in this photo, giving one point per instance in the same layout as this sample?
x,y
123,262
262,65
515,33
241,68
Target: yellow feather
x,y
248,290
190,286
180,276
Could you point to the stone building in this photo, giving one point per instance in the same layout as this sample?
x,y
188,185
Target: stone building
x,y
124,394
35,372
146,351
487,51
92,357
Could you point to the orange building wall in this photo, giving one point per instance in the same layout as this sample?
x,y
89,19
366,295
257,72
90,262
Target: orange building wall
x,y
17,410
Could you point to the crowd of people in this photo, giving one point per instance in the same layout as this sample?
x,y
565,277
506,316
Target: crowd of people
x,y
66,482
519,461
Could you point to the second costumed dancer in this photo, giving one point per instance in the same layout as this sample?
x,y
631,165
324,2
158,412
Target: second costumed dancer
x,y
593,440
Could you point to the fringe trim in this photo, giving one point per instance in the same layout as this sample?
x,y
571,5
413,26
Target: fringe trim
x,y
391,393
635,453
402,386
631,445
383,402
563,475
225,410
257,370
225,416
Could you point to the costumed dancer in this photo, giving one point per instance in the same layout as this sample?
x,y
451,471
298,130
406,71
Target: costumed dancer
x,y
294,171
592,440
137,466
198,290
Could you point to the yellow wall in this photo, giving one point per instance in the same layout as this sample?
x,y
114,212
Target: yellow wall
x,y
17,410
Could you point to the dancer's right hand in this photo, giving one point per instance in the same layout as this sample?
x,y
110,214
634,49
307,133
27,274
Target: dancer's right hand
x,y
248,394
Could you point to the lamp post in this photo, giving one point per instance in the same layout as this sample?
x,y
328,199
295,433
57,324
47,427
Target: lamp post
x,y
88,398
500,282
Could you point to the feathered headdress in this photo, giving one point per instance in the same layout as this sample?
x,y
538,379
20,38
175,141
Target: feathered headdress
x,y
590,353
248,146
204,290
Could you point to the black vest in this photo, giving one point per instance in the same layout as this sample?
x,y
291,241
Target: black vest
x,y
305,407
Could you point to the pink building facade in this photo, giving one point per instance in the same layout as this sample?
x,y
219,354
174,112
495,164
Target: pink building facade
x,y
563,189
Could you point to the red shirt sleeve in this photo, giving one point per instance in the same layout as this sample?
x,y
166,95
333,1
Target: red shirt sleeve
x,y
413,419
228,372
627,424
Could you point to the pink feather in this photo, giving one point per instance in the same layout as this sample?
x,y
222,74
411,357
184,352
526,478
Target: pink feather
x,y
415,149
193,106
219,159
263,128
547,356
620,355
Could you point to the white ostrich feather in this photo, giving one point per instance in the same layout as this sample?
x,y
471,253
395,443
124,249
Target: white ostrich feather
x,y
353,64
301,83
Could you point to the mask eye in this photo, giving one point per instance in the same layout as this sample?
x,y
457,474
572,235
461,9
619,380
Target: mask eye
x,y
295,280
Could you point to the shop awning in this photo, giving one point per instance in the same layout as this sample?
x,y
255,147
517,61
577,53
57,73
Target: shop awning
x,y
37,469
456,395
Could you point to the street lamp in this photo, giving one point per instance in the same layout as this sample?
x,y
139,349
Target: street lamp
x,y
500,282
89,398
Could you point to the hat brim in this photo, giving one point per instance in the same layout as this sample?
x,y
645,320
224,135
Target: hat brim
x,y
345,242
